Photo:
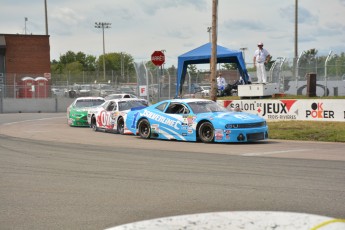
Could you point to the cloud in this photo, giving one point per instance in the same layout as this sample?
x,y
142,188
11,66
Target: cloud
x,y
65,20
181,33
139,27
306,39
67,16
304,15
151,7
243,25
336,26
328,31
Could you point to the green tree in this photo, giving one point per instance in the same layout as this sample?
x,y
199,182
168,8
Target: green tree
x,y
150,66
68,57
88,61
192,69
308,63
229,66
73,71
120,63
336,66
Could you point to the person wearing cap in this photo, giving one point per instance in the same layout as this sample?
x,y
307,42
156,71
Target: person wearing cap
x,y
261,57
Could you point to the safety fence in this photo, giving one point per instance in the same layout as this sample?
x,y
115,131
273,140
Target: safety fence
x,y
160,83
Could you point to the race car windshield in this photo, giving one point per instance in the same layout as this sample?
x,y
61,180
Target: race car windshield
x,y
205,107
126,105
88,103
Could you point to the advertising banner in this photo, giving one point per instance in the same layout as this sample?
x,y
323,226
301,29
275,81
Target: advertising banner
x,y
292,109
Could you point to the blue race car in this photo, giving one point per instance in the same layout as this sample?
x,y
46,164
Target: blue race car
x,y
195,119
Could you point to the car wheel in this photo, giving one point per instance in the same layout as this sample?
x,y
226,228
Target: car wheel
x,y
144,129
94,125
206,132
121,125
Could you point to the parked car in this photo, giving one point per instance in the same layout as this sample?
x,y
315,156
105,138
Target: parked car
x,y
77,111
57,92
205,90
78,90
126,89
84,91
111,115
119,95
196,119
103,90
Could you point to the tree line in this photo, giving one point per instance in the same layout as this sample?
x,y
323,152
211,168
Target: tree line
x,y
75,67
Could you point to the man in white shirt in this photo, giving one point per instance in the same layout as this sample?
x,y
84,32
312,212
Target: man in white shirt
x,y
261,57
221,82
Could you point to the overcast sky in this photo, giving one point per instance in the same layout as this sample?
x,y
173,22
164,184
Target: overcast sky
x,y
139,27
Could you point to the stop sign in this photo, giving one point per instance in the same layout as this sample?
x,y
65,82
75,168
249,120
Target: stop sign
x,y
158,58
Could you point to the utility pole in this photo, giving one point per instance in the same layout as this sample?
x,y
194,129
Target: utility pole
x,y
213,62
103,25
46,15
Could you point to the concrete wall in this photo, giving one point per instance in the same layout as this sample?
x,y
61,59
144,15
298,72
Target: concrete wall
x,y
39,105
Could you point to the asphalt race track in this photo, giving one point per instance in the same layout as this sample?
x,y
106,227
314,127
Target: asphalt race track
x,y
53,176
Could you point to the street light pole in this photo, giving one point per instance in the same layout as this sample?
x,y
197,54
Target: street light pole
x,y
25,19
243,49
103,25
296,37
209,30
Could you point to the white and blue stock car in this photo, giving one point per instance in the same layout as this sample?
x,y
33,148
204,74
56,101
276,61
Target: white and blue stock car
x,y
196,119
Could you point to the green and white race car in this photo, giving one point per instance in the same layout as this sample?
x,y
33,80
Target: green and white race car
x,y
77,111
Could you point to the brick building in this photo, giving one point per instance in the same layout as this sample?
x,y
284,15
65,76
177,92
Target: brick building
x,y
23,56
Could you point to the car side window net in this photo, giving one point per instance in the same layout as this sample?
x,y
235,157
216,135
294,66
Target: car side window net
x,y
177,109
111,106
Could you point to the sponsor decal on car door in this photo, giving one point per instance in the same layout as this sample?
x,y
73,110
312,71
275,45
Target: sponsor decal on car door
x,y
105,120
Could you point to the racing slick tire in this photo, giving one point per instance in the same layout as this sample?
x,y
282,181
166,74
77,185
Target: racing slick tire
x,y
94,125
121,125
144,129
206,132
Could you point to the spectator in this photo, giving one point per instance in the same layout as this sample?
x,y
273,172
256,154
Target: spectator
x,y
261,58
221,82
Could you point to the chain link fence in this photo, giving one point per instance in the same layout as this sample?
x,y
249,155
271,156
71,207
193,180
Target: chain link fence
x,y
161,81
330,75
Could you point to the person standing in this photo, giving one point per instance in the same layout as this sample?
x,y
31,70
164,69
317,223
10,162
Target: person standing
x,y
261,58
221,82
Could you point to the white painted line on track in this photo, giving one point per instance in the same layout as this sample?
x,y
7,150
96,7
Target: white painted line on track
x,y
273,152
39,119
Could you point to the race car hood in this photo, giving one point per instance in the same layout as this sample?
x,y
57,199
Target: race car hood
x,y
232,117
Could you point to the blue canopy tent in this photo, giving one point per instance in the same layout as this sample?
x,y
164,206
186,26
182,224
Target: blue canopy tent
x,y
202,55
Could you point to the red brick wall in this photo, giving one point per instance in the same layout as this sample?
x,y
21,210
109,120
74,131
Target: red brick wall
x,y
26,55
